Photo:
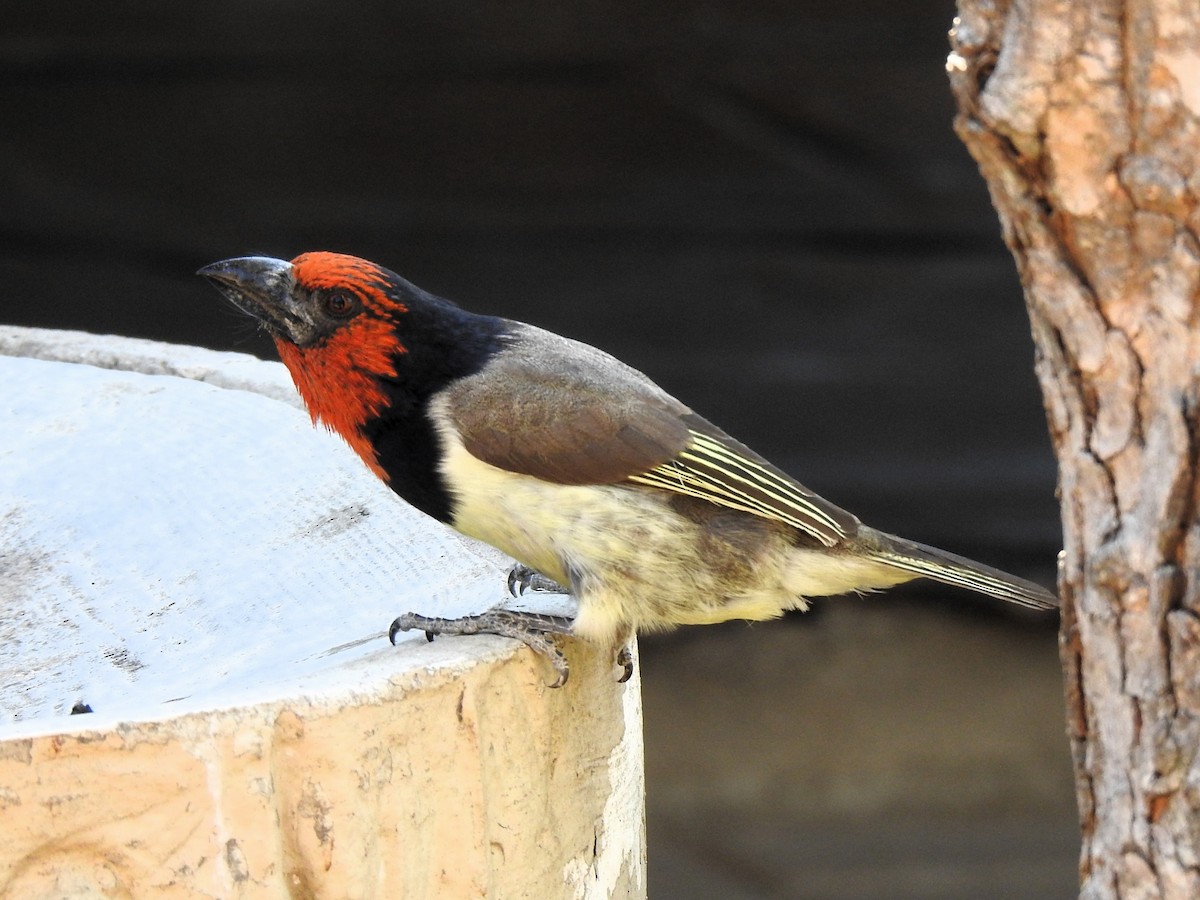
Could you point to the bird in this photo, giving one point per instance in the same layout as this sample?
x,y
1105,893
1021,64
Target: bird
x,y
592,477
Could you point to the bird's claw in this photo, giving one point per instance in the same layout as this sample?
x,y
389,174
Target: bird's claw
x,y
533,630
625,661
521,578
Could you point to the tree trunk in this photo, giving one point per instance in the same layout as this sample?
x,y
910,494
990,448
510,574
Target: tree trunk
x,y
1084,117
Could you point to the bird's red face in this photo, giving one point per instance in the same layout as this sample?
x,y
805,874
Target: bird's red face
x,y
333,319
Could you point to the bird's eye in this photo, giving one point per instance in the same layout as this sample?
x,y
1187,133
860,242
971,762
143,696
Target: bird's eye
x,y
339,305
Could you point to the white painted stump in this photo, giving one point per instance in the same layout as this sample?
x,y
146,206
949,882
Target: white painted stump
x,y
183,552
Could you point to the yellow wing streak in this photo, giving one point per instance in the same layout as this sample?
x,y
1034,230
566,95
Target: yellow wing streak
x,y
704,491
711,471
782,488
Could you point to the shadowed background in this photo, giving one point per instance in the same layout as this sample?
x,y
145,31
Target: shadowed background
x,y
761,205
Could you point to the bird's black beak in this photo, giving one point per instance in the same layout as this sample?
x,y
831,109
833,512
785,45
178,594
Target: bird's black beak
x,y
263,288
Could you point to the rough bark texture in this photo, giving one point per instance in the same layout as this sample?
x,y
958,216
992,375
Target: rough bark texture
x,y
1084,117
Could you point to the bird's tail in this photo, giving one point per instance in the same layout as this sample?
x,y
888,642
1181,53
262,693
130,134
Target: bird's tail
x,y
948,568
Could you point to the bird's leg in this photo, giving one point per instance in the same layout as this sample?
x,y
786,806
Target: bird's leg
x,y
532,629
521,578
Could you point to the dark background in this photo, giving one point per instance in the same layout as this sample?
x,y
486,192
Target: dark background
x,y
763,206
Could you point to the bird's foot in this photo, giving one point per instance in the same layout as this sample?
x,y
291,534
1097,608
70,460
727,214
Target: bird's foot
x,y
521,578
533,630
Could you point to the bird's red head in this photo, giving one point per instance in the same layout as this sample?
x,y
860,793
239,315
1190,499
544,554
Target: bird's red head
x,y
333,318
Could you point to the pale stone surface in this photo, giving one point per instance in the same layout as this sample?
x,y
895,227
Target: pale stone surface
x,y
183,552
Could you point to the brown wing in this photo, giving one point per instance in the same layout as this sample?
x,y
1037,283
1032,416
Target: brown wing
x,y
566,412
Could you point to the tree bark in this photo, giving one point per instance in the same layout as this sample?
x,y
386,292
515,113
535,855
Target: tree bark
x,y
1084,118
